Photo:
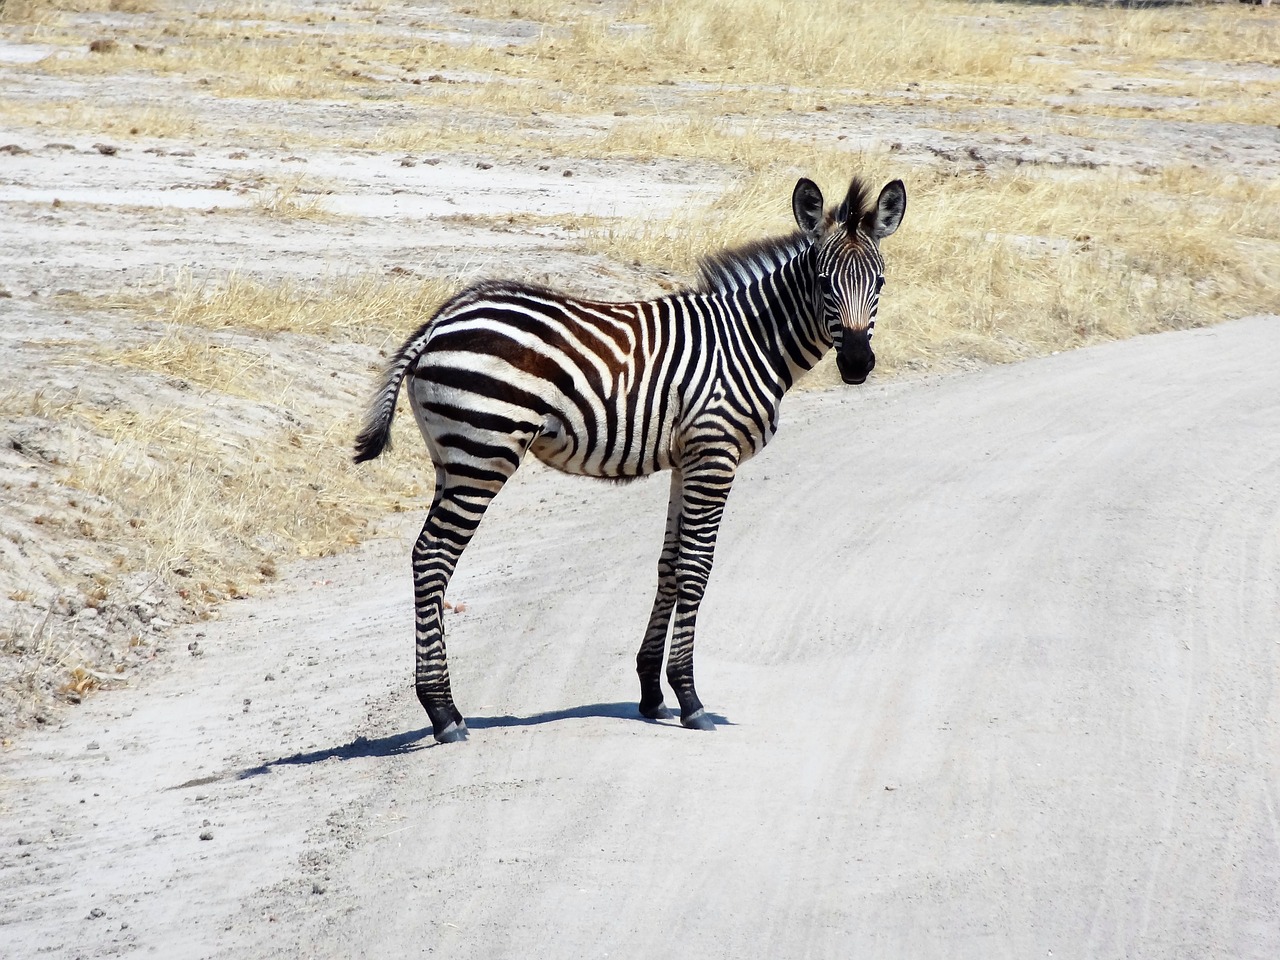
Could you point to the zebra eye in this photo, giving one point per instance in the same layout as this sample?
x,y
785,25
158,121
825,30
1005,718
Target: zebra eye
x,y
879,284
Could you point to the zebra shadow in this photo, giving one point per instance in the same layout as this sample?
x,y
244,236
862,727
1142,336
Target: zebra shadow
x,y
412,741
625,710
397,744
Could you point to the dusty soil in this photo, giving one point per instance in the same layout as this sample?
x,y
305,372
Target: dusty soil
x,y
995,654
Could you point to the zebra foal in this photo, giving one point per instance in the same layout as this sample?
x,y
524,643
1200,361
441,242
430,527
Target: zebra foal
x,y
690,383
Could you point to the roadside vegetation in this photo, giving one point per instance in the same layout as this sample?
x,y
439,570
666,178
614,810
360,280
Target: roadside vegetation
x,y
1006,253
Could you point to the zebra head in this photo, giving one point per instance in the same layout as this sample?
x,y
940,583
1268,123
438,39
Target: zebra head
x,y
848,266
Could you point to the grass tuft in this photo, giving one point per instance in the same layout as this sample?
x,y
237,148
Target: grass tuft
x,y
363,308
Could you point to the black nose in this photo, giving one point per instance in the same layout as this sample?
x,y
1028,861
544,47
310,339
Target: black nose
x,y
854,357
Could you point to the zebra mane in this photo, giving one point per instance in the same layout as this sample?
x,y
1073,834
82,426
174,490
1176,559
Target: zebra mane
x,y
737,267
855,207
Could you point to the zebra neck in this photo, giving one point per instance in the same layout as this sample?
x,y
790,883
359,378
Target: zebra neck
x,y
782,309
771,285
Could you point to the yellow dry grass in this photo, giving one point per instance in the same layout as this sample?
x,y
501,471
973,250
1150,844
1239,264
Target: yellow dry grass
x,y
212,513
141,121
763,57
990,264
866,44
362,308
255,61
194,359
1211,32
29,10
296,198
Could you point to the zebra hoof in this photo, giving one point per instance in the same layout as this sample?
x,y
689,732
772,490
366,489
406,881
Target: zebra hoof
x,y
698,720
455,732
660,712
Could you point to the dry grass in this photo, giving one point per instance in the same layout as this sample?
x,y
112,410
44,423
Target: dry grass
x,y
194,359
588,60
868,44
585,53
297,198
256,61
248,466
1211,32
364,309
26,11
243,467
285,495
210,512
1257,109
141,121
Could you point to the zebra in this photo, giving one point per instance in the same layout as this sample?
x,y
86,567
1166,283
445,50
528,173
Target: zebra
x,y
690,382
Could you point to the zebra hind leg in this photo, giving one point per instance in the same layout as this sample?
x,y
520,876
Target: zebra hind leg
x,y
461,497
649,659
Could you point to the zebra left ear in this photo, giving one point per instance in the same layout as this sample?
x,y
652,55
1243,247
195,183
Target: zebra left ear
x,y
888,212
806,204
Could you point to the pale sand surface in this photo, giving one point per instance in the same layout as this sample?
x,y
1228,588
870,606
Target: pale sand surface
x,y
996,655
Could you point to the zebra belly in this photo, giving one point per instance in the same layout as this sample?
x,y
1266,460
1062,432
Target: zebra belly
x,y
616,453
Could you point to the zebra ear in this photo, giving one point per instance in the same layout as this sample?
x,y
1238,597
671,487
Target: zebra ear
x,y
888,213
806,204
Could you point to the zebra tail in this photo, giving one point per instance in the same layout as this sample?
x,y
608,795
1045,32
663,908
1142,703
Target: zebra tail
x,y
375,436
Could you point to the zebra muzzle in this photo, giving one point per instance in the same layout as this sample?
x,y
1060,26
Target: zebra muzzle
x,y
854,357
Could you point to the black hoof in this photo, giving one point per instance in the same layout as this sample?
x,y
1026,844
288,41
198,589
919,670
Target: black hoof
x,y
698,720
660,712
453,733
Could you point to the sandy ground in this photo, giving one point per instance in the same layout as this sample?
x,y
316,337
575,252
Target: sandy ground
x,y
995,656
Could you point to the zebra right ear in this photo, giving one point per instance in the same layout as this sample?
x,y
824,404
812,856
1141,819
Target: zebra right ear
x,y
806,204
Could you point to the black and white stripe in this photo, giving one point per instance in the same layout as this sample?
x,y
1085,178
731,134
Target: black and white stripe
x,y
689,383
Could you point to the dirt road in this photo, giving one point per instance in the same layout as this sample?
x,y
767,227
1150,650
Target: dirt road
x,y
996,657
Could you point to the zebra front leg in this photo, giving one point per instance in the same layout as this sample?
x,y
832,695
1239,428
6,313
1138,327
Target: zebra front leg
x,y
456,511
654,645
702,499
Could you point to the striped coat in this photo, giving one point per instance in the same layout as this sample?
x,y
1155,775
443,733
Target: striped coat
x,y
690,383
